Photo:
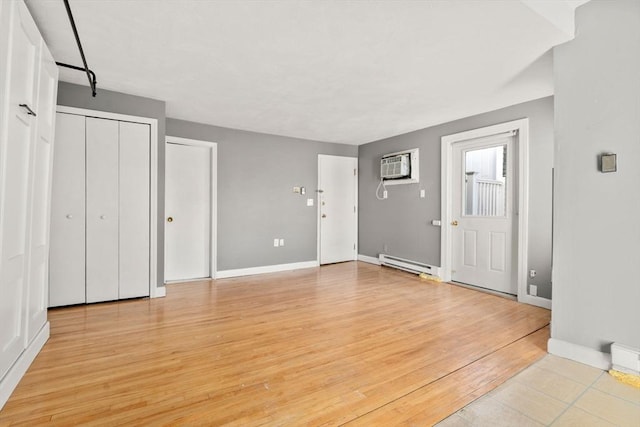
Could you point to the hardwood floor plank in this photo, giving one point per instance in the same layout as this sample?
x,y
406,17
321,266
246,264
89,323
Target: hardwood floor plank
x,y
343,343
434,402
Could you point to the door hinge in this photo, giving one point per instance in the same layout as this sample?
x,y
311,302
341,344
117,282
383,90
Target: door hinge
x,y
354,209
354,246
355,172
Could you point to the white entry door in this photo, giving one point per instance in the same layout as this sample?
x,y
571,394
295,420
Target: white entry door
x,y
188,212
483,214
337,199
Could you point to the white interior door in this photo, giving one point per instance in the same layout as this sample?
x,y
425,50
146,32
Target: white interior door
x,y
483,214
67,263
188,212
15,159
41,198
133,255
338,193
102,210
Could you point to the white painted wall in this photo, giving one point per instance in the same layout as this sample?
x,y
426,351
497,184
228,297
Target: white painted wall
x,y
408,233
596,260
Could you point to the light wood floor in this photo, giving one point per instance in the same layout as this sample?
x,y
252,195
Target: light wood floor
x,y
348,343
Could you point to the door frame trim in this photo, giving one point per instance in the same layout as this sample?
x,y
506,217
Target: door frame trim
x,y
213,208
156,290
357,207
522,142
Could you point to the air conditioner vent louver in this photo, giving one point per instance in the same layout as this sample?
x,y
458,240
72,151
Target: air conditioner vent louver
x,y
393,167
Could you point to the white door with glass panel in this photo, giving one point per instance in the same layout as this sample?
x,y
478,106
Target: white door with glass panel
x,y
338,184
483,215
188,211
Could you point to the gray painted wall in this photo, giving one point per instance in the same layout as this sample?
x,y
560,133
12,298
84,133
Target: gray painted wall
x,y
401,225
73,95
256,175
597,233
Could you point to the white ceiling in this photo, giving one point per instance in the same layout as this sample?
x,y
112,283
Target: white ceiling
x,y
328,70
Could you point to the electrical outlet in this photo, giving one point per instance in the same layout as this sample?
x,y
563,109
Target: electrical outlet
x,y
309,202
281,242
276,243
532,273
533,290
384,194
422,194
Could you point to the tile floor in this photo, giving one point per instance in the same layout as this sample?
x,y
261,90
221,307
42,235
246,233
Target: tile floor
x,y
554,392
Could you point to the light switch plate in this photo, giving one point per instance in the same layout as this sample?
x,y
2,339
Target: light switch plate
x,y
608,162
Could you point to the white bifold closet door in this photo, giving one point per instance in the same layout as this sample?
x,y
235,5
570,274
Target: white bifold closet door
x,y
102,209
100,214
67,264
135,185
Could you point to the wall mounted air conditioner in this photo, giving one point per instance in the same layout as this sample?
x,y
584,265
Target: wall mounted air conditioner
x,y
393,167
400,168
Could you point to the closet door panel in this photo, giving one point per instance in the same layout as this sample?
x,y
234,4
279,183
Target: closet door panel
x,y
41,197
102,210
134,209
67,252
15,162
5,15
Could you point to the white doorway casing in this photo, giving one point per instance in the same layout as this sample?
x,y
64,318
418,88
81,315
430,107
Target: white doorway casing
x,y
199,254
337,209
521,127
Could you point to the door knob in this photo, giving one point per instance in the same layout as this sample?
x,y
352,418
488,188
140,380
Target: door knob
x,y
324,215
103,217
170,219
69,216
454,223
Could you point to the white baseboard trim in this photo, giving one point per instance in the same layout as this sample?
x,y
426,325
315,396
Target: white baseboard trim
x,y
160,292
200,279
535,300
625,359
368,259
224,274
19,368
579,353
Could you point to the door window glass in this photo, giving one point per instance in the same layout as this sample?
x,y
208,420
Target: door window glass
x,y
485,181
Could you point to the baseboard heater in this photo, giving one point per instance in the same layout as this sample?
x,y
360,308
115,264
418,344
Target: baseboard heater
x,y
408,265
